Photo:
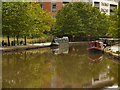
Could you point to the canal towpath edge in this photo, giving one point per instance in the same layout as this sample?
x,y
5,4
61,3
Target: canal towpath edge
x,y
24,47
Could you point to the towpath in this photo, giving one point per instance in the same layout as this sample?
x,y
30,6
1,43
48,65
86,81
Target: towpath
x,y
24,47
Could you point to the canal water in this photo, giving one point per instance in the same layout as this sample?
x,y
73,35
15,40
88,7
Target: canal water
x,y
69,66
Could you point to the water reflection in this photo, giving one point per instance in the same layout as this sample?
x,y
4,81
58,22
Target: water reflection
x,y
63,67
28,69
95,57
62,49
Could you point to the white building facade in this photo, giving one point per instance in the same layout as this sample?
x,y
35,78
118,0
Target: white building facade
x,y
106,6
103,5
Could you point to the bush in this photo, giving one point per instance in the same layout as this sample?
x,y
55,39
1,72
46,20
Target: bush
x,y
117,52
43,39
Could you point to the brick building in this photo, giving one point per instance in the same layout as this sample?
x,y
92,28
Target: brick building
x,y
103,5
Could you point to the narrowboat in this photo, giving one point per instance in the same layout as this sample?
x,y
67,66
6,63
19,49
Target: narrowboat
x,y
59,41
96,46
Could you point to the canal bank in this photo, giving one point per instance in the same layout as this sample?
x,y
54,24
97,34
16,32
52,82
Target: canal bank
x,y
24,47
113,52
30,46
108,52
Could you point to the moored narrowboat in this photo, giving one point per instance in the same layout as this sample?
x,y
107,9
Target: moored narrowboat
x,y
96,46
59,41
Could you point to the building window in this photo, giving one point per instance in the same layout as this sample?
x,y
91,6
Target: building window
x,y
112,6
41,4
53,6
104,10
97,5
104,4
65,3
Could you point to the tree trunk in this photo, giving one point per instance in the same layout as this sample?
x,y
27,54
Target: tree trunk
x,y
17,40
39,39
8,40
73,38
70,38
14,40
25,57
25,40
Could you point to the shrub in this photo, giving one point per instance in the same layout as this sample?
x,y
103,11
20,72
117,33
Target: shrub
x,y
117,52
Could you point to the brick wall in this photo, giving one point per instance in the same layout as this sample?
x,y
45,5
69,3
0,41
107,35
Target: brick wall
x,y
58,6
47,6
74,0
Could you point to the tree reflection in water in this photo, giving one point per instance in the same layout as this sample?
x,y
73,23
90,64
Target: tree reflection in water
x,y
28,69
42,68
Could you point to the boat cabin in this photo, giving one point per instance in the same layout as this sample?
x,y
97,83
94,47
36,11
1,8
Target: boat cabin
x,y
95,45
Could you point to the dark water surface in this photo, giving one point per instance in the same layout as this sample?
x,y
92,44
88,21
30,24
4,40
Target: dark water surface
x,y
65,67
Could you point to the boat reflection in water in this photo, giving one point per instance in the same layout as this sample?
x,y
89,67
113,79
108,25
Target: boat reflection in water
x,y
95,58
102,80
60,45
62,49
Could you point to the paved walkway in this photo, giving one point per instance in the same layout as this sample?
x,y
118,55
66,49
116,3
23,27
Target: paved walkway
x,y
115,48
24,47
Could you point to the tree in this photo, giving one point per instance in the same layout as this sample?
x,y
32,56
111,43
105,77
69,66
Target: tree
x,y
0,16
14,19
80,19
41,21
113,30
119,19
23,19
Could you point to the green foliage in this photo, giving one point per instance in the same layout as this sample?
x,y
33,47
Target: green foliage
x,y
24,19
117,52
14,18
119,19
114,29
80,19
41,21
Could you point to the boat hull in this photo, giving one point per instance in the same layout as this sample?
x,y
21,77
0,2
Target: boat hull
x,y
95,50
54,45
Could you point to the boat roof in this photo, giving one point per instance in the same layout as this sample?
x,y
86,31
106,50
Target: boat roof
x,y
110,38
95,42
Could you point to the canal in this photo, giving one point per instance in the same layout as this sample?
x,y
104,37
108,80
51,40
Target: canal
x,y
69,66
